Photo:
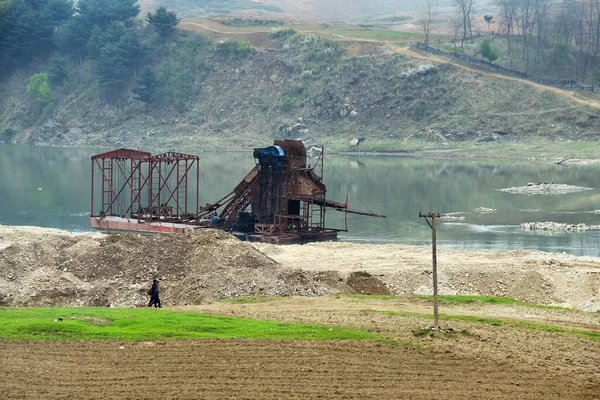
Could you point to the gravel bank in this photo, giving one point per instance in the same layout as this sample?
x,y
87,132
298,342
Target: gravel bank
x,y
546,189
53,267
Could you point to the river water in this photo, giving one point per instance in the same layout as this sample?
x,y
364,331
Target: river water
x,y
50,187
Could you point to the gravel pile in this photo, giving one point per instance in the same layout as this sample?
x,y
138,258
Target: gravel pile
x,y
548,189
51,267
484,210
557,227
451,218
43,267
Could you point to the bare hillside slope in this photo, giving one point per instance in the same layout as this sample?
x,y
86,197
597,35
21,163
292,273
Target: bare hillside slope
x,y
213,96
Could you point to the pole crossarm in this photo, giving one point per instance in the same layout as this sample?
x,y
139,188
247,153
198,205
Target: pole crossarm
x,y
429,215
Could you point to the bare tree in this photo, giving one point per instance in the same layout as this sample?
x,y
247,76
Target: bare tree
x,y
456,22
559,37
526,24
587,35
507,12
425,15
540,9
466,9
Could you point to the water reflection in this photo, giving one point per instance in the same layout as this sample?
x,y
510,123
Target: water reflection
x,y
397,187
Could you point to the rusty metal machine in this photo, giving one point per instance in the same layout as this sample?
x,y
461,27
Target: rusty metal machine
x,y
282,199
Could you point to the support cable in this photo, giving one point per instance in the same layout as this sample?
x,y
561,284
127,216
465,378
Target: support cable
x,y
348,185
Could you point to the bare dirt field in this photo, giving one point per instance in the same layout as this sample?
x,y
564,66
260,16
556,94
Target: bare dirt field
x,y
267,369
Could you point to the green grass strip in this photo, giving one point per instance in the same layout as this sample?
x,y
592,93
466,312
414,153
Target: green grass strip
x,y
379,34
470,318
497,322
448,299
459,299
143,323
251,299
372,296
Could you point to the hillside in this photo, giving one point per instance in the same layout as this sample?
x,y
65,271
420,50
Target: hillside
x,y
215,96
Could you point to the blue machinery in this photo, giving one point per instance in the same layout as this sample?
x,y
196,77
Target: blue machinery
x,y
273,156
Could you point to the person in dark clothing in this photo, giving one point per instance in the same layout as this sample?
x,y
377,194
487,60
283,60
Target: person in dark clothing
x,y
154,300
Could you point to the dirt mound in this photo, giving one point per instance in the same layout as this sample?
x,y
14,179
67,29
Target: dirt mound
x,y
52,267
42,267
364,283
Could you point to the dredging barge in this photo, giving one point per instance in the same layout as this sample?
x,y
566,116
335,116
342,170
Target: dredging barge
x,y
282,199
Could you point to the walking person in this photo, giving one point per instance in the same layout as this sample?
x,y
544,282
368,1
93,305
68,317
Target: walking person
x,y
154,300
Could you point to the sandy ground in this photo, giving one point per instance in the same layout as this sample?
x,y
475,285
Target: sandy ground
x,y
529,275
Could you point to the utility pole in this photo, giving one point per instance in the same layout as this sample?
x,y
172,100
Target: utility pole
x,y
433,216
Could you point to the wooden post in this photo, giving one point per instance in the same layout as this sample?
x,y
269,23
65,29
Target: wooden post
x,y
433,216
435,281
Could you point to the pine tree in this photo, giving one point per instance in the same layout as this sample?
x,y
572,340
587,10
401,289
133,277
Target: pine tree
x,y
58,71
103,12
132,50
55,12
100,38
72,38
27,28
17,33
146,87
110,67
163,21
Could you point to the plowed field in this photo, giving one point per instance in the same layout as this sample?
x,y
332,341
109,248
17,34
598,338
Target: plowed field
x,y
265,369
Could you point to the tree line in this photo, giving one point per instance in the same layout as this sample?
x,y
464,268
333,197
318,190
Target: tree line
x,y
561,33
103,31
554,37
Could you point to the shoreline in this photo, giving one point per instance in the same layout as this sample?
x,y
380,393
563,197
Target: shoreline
x,y
560,152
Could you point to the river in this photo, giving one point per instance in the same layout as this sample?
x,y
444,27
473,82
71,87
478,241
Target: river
x,y
50,187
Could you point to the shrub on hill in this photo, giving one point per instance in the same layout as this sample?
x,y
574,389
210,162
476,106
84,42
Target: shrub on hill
x,y
234,48
487,51
282,33
39,88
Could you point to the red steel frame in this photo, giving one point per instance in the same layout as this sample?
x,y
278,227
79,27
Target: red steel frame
x,y
141,171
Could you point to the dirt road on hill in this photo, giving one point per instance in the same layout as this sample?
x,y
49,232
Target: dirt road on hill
x,y
572,95
405,50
